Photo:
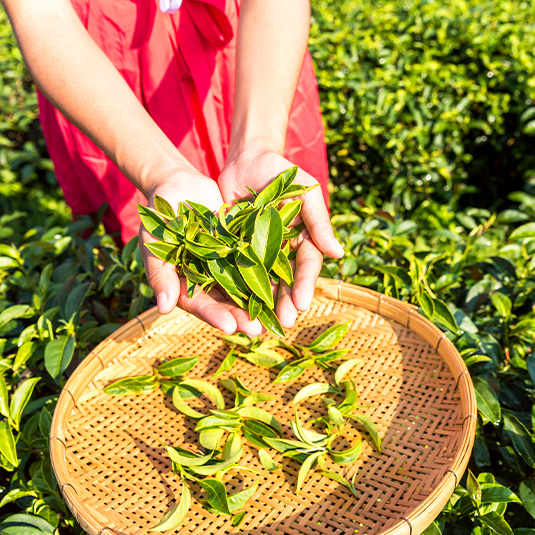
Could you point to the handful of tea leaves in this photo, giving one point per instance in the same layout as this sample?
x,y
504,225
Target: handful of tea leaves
x,y
243,249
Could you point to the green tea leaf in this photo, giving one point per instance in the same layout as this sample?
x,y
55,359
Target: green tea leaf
x,y
238,519
20,399
329,338
305,468
493,493
255,276
227,363
209,390
267,237
433,529
212,469
228,276
283,445
527,495
270,321
335,417
237,501
307,435
183,407
521,438
255,307
295,190
313,390
239,339
210,438
178,366
264,358
270,192
58,354
165,251
496,523
216,495
258,398
370,427
347,456
232,445
502,303
164,207
487,401
267,462
7,444
474,490
344,369
290,372
289,211
523,232
173,518
4,398
186,458
444,316
261,415
283,268
132,385
24,352
214,421
152,221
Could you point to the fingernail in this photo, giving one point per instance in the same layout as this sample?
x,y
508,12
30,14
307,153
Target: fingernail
x,y
161,300
338,245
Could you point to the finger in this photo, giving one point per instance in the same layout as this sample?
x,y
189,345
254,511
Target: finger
x,y
161,276
286,310
316,218
308,266
208,309
245,325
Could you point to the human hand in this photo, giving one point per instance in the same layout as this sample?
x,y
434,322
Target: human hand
x,y
255,169
215,308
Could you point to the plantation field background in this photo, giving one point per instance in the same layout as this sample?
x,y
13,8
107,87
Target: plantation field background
x,y
429,110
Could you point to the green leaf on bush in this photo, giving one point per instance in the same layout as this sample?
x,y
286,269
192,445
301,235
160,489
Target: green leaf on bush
x,y
58,355
521,438
20,399
496,523
487,401
7,443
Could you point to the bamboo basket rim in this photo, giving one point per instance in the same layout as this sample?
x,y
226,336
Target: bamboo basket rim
x,y
412,524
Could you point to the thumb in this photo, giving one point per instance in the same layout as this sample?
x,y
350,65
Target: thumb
x,y
316,219
161,276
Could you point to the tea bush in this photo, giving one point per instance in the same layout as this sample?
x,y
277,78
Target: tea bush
x,y
427,98
64,287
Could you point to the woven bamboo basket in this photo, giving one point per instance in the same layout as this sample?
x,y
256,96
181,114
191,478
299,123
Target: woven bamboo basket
x,y
117,480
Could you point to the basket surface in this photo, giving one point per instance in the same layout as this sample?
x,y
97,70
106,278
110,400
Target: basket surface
x,y
117,479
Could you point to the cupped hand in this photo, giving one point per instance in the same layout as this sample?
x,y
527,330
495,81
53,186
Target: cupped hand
x,y
256,169
215,308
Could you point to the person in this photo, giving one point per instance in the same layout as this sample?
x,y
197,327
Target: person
x,y
182,101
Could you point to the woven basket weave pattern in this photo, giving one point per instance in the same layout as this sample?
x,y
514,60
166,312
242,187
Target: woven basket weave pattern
x,y
116,475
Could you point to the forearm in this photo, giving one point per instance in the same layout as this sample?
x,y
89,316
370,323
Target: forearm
x,y
272,41
76,76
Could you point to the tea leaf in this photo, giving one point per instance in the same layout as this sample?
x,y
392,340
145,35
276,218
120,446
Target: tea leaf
x,y
132,385
444,316
254,308
267,462
270,192
228,277
4,398
186,458
344,369
370,427
474,489
487,401
523,232
164,207
20,399
493,493
264,358
283,268
255,276
502,303
329,338
152,221
306,435
496,523
238,339
212,469
183,407
289,211
347,456
210,438
521,438
260,415
260,429
237,501
257,398
173,518
227,363
58,354
178,366
267,237
335,417
232,445
270,321
216,495
164,251
338,478
313,390
290,372
209,390
305,468
238,519
296,190
283,445
7,443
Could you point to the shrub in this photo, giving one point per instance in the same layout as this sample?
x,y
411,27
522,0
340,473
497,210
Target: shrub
x,y
426,98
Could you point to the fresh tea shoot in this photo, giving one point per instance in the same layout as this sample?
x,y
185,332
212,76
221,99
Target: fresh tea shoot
x,y
245,249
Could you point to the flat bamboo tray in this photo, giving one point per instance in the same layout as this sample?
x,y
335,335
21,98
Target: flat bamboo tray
x,y
117,479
